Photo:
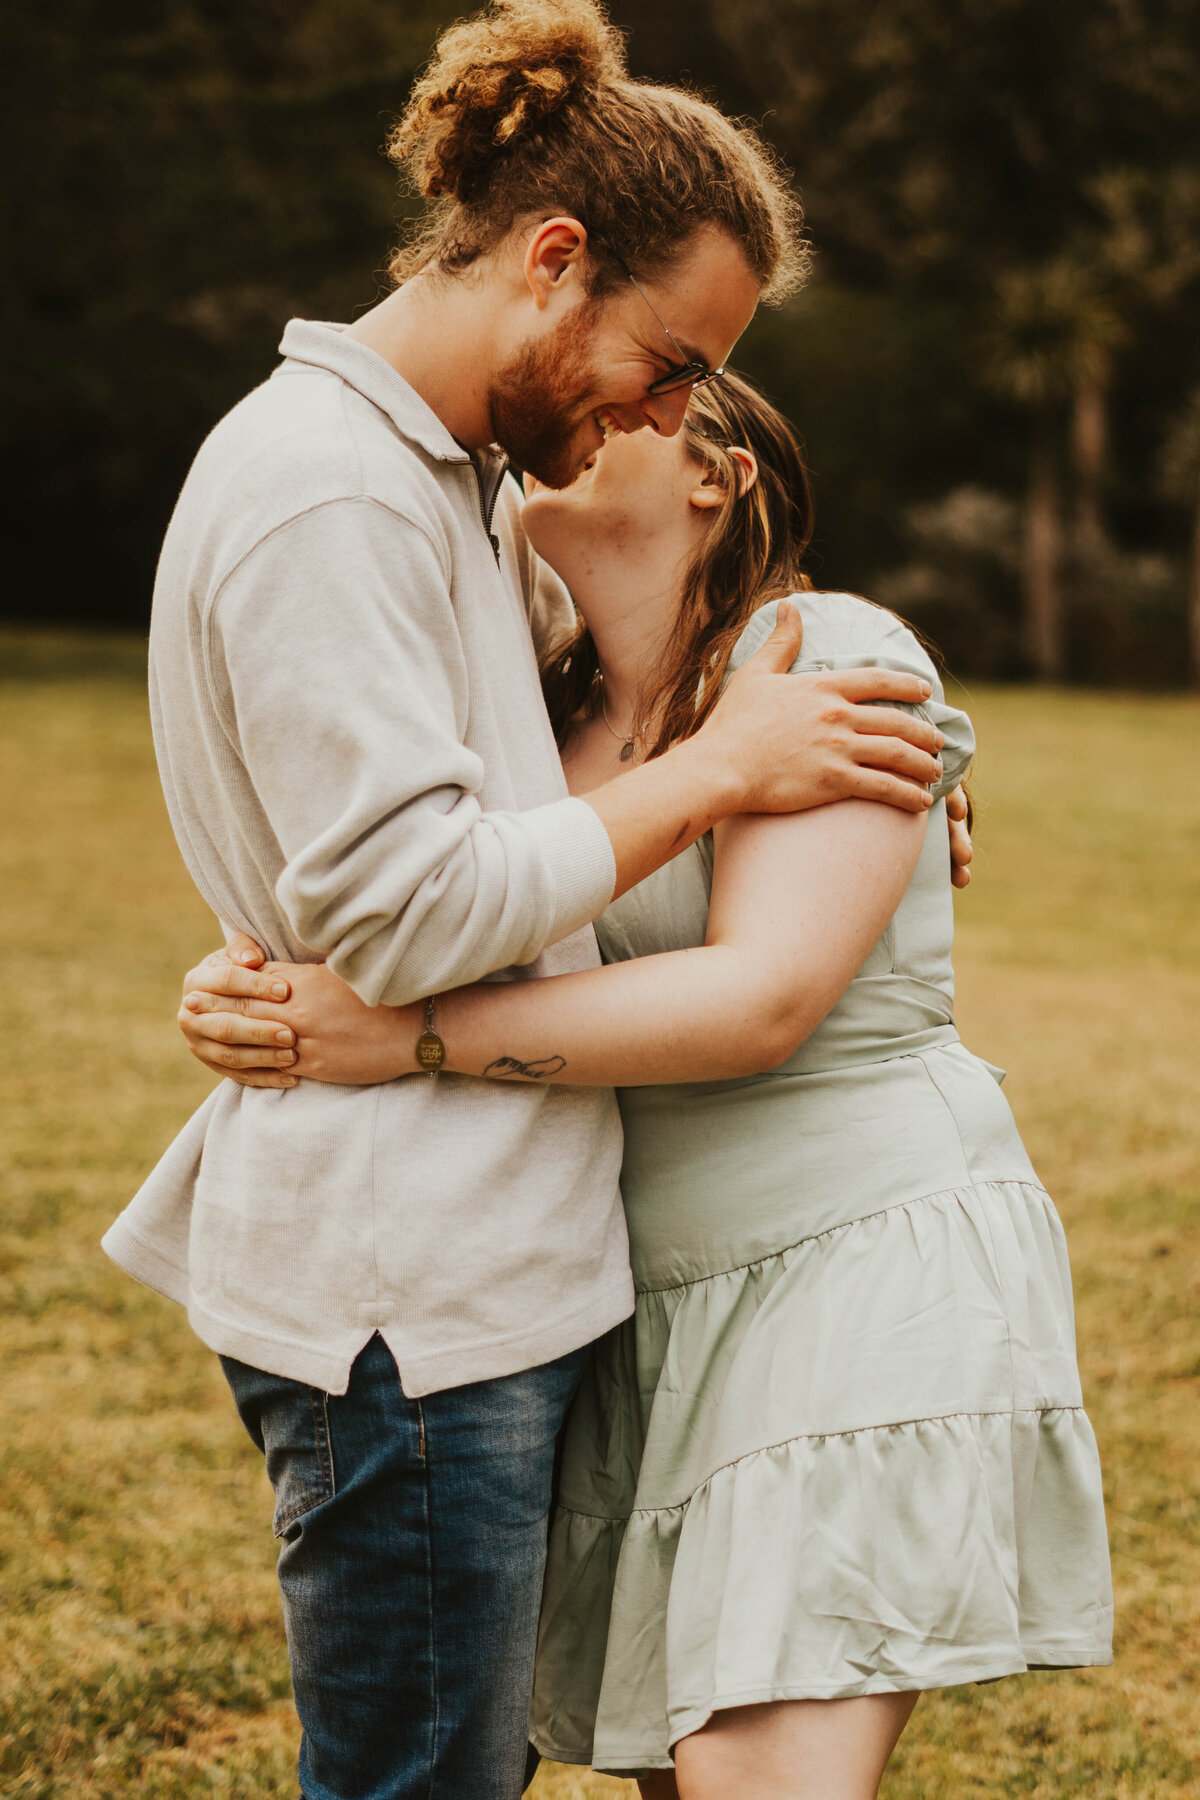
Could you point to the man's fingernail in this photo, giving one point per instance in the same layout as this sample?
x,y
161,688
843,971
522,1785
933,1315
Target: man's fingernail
x,y
283,1057
284,1036
279,990
926,689
941,738
245,956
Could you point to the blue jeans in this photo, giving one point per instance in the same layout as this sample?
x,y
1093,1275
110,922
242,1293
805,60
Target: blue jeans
x,y
414,1540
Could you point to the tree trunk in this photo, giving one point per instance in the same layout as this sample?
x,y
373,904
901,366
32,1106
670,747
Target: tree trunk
x,y
1194,597
1043,558
1089,435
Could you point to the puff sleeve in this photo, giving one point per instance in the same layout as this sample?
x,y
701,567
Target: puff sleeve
x,y
842,631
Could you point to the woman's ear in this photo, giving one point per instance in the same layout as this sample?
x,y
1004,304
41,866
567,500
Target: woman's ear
x,y
747,464
710,490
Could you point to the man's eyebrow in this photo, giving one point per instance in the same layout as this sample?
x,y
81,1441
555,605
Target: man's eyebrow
x,y
690,352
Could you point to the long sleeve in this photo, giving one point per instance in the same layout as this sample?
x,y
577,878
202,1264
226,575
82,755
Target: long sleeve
x,y
339,669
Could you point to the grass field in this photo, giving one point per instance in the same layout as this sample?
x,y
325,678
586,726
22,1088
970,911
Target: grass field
x,y
142,1653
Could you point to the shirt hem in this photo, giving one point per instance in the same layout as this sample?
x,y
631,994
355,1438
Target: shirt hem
x,y
428,1373
138,1258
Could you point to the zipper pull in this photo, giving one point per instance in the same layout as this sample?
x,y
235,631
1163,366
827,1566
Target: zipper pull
x,y
494,541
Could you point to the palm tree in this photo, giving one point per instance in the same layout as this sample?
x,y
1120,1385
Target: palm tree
x,y
1046,348
1141,257
1180,474
1089,446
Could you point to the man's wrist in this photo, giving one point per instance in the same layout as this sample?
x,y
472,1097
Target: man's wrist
x,y
712,782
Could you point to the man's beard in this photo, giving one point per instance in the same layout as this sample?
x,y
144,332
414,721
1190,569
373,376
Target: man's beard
x,y
534,400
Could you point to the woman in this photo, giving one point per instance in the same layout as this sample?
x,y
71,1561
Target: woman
x,y
838,1455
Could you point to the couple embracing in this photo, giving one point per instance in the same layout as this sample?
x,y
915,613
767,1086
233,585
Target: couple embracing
x,y
435,748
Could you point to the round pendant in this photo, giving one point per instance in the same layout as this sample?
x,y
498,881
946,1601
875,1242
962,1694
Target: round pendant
x,y
627,749
431,1052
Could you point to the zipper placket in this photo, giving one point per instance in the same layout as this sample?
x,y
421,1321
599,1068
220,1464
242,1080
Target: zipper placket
x,y
487,502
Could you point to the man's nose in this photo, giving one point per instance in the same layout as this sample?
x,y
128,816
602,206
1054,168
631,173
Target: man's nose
x,y
665,413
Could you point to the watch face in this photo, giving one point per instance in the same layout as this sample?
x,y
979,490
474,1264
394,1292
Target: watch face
x,y
431,1052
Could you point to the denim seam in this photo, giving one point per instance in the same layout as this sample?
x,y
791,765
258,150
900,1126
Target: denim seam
x,y
320,1412
378,1284
326,1487
431,1612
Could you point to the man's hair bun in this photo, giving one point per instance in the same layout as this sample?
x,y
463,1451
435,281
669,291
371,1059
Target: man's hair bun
x,y
527,111
494,83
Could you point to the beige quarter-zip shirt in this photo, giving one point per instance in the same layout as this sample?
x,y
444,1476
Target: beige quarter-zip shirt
x,y
359,767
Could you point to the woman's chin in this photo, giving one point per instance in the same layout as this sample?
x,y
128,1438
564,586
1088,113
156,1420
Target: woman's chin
x,y
553,526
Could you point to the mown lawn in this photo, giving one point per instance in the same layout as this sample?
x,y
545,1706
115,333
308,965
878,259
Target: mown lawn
x,y
142,1652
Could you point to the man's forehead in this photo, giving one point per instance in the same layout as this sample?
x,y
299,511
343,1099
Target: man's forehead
x,y
707,298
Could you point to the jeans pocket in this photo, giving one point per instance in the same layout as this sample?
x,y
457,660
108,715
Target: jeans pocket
x,y
299,1456
289,1423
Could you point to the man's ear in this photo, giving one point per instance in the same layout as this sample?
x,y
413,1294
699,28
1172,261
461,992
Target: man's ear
x,y
710,490
554,255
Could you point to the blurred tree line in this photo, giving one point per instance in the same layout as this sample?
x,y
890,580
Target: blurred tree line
x,y
995,368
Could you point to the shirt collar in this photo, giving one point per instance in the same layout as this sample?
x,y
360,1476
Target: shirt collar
x,y
326,346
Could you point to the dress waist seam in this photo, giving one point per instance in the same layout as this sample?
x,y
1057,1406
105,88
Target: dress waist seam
x,y
756,1262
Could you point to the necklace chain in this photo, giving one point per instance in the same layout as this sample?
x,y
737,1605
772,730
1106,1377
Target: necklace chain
x,y
626,739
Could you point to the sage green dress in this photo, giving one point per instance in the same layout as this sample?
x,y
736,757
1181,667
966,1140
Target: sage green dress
x,y
840,1447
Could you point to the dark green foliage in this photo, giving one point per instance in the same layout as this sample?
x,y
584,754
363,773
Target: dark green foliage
x,y
1005,200
181,177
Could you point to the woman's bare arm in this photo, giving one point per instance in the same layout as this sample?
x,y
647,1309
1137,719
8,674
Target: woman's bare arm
x,y
797,902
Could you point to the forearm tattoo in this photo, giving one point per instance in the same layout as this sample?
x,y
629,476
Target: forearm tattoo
x,y
529,1071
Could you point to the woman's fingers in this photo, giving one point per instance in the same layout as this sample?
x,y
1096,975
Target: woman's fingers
x,y
961,853
223,1027
224,1057
217,975
958,816
238,1056
243,949
204,1000
227,1041
260,1078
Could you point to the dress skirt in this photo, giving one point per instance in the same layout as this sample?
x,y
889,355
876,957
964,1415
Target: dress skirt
x,y
840,1448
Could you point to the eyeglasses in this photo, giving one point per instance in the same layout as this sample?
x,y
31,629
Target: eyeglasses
x,y
690,371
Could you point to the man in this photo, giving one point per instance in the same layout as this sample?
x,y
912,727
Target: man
x,y
402,1281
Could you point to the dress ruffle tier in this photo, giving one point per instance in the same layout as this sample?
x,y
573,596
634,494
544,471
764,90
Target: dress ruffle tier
x,y
859,1464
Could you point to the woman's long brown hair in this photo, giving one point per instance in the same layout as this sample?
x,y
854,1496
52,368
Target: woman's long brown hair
x,y
752,553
